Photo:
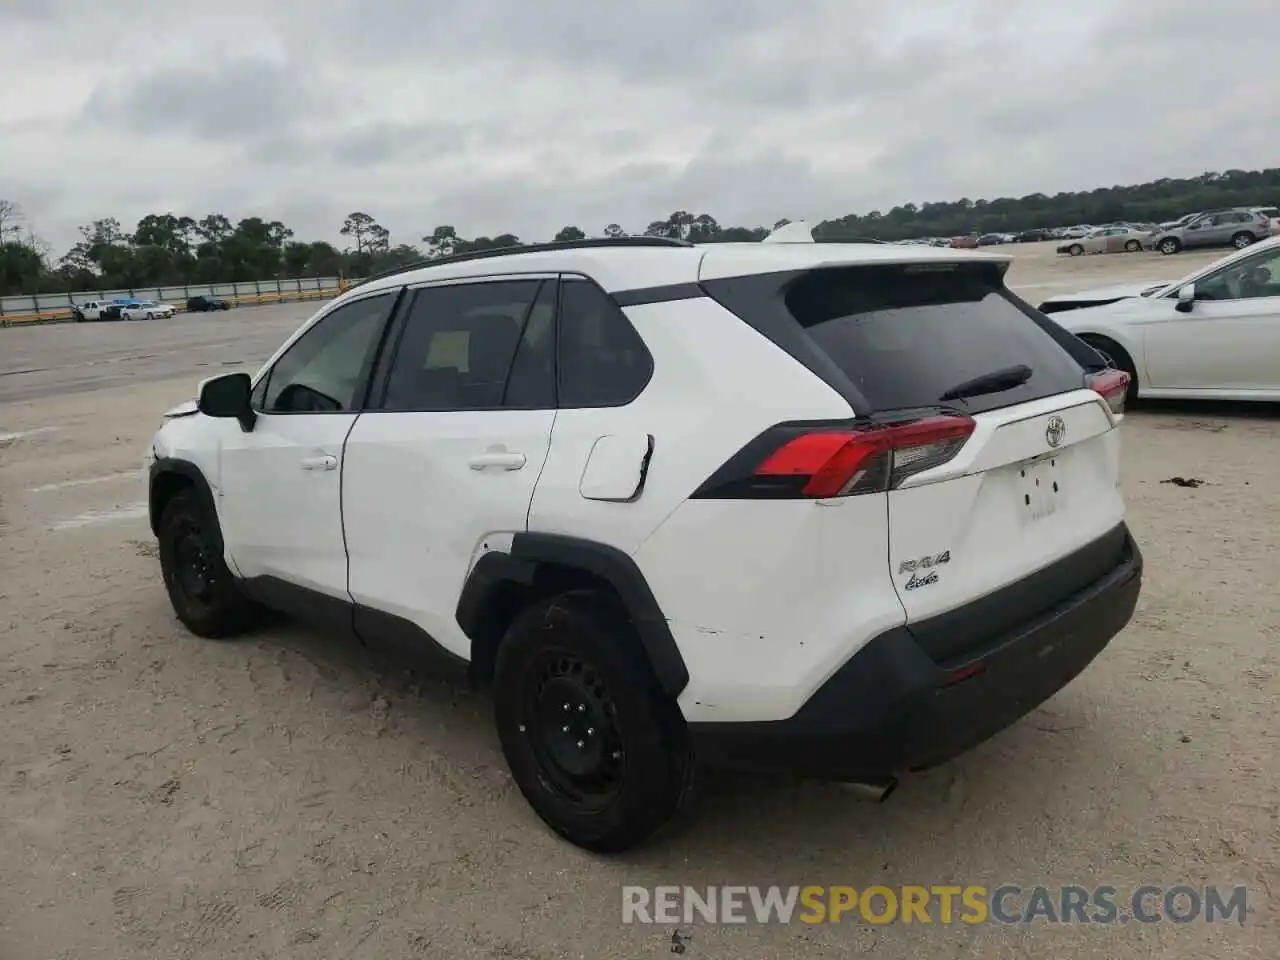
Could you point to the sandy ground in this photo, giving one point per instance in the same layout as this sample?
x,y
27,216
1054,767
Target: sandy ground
x,y
287,796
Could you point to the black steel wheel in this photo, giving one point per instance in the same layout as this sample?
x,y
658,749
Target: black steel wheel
x,y
600,753
203,592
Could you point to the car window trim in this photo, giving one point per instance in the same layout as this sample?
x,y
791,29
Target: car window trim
x,y
377,393
524,328
366,372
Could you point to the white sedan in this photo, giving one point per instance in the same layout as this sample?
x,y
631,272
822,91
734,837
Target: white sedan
x,y
1213,335
147,310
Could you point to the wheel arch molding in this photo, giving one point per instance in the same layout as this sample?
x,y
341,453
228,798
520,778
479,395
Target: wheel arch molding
x,y
485,605
168,475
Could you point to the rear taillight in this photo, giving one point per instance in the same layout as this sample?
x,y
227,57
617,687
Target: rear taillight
x,y
1113,386
794,461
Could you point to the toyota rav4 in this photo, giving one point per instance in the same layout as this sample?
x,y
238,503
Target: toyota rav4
x,y
841,511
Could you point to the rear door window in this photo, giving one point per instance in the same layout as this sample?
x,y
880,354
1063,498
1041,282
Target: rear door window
x,y
906,335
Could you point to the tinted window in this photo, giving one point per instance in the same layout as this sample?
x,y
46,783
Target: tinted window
x,y
603,361
905,335
458,344
327,368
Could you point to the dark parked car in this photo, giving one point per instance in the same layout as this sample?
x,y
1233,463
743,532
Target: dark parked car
x,y
203,304
1033,236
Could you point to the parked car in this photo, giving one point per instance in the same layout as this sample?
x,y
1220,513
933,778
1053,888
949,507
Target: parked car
x,y
968,242
95,310
1034,236
1237,228
570,467
1210,335
203,304
147,310
1123,239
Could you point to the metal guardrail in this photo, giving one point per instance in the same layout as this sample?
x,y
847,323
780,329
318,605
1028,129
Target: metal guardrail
x,y
249,300
54,307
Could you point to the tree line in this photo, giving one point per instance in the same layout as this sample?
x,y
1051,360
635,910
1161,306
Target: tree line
x,y
165,249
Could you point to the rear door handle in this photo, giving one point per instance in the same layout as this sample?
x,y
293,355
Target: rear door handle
x,y
502,460
326,462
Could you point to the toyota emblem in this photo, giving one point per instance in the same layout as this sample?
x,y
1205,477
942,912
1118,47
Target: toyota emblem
x,y
1054,431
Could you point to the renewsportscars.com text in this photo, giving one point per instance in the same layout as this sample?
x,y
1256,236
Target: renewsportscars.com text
x,y
940,904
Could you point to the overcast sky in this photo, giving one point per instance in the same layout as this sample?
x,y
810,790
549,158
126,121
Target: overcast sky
x,y
527,115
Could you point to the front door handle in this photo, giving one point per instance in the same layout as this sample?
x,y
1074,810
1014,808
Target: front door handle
x,y
500,459
326,462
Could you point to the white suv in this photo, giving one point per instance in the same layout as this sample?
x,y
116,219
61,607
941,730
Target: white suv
x,y
837,510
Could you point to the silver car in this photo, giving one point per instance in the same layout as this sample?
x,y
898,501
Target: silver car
x,y
1221,228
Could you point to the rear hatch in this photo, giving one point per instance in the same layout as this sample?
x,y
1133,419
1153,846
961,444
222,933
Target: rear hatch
x,y
1003,461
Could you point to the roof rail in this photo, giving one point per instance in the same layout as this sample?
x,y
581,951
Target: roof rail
x,y
528,248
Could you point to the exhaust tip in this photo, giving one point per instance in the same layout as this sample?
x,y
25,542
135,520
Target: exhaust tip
x,y
876,792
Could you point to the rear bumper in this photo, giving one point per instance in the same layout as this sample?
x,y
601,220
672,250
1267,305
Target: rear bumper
x,y
893,708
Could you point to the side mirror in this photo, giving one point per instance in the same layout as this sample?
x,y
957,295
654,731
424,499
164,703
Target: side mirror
x,y
227,397
1186,298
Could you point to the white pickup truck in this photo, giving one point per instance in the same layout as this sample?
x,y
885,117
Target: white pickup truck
x,y
96,310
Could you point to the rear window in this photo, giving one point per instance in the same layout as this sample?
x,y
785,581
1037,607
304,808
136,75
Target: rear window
x,y
906,335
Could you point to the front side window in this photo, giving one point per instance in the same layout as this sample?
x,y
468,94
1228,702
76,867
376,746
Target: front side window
x,y
459,343
326,370
1247,279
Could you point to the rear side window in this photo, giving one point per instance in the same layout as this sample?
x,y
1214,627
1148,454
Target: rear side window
x,y
603,361
906,335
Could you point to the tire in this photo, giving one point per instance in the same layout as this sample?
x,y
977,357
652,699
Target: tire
x,y
1242,240
1118,357
1170,245
575,658
204,593
1132,246
1075,250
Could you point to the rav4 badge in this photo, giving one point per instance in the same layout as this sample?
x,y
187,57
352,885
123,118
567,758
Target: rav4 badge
x,y
925,563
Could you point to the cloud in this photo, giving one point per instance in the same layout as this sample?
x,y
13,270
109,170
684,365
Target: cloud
x,y
221,98
500,115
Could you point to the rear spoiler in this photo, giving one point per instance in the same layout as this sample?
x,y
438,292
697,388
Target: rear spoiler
x,y
799,231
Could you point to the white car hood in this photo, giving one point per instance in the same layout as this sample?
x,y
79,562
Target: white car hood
x,y
1107,293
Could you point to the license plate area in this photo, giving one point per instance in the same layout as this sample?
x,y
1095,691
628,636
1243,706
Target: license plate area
x,y
1040,486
